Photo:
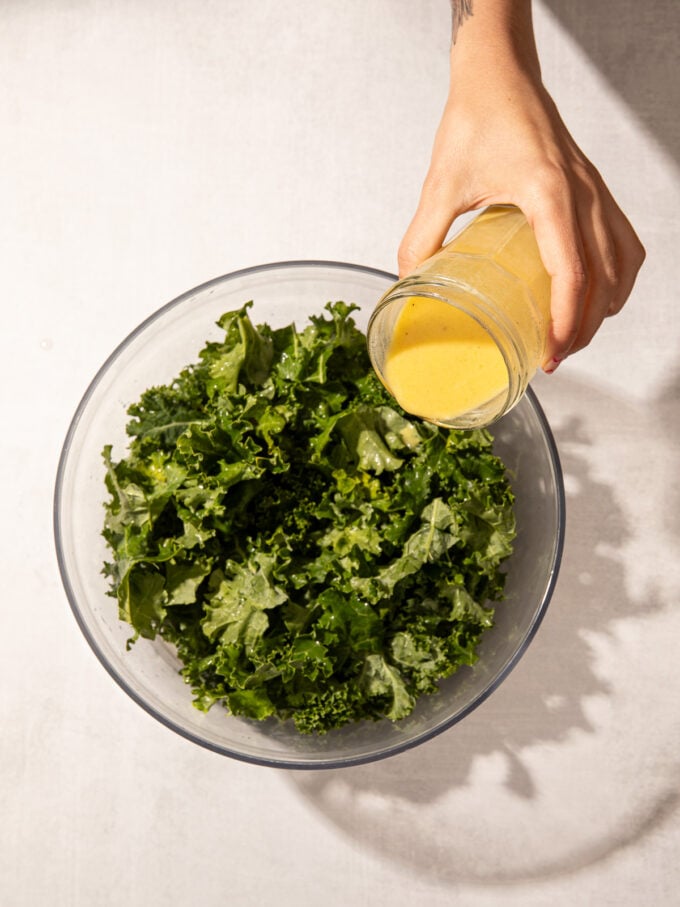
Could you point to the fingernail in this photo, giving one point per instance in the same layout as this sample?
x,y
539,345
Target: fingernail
x,y
552,364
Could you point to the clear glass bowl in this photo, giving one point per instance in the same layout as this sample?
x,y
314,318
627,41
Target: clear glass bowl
x,y
153,354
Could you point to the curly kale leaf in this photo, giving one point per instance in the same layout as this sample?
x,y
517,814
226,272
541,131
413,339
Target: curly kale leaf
x,y
312,552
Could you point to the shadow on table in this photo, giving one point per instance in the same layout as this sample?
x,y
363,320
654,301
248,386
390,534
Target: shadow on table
x,y
545,700
635,47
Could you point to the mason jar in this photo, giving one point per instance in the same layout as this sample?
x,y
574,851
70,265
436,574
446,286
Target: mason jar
x,y
457,341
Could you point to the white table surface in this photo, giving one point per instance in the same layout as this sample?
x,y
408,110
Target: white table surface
x,y
147,147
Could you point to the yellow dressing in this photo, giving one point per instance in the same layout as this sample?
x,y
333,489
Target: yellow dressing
x,y
447,366
440,362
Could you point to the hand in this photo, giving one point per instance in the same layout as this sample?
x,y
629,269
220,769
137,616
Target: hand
x,y
502,141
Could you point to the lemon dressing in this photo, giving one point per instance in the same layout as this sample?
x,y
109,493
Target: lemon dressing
x,y
458,340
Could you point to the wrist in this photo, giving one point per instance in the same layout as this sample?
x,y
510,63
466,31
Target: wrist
x,y
496,39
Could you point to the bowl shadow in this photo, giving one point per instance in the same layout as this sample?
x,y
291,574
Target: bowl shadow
x,y
388,806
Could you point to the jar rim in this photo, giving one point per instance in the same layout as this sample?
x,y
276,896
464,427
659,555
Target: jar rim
x,y
499,329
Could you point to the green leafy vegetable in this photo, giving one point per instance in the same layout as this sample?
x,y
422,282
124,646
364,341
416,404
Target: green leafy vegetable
x,y
312,553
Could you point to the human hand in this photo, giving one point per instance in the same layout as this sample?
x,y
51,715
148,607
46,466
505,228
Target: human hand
x,y
501,140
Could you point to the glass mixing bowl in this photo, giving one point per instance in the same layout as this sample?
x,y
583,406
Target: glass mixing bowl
x,y
153,354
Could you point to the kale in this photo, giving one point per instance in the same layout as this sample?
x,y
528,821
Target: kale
x,y
310,551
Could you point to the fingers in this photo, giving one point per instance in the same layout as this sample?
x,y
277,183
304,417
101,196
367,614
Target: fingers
x,y
593,256
602,267
631,256
427,231
614,255
558,235
442,197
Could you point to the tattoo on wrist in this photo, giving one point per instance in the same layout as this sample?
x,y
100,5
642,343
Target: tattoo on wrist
x,y
460,11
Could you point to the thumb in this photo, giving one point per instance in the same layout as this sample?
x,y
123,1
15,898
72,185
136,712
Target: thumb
x,y
427,231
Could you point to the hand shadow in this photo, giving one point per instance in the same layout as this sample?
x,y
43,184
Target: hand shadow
x,y
635,47
417,808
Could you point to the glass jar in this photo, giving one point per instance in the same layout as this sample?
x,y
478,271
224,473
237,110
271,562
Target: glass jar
x,y
457,341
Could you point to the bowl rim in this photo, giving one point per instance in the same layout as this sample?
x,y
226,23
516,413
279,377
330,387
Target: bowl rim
x,y
283,762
